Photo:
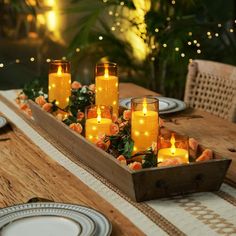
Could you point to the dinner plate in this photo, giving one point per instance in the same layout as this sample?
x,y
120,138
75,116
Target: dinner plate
x,y
47,222
166,105
103,226
3,121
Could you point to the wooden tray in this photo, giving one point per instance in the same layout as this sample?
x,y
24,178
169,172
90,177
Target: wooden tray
x,y
139,185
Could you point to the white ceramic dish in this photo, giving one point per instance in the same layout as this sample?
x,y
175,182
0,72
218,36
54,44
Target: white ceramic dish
x,y
166,105
3,121
68,213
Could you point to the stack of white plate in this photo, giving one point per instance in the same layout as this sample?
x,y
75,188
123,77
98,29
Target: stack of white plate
x,y
49,218
166,105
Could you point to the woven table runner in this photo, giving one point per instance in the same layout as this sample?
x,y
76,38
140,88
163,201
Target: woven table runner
x,y
196,214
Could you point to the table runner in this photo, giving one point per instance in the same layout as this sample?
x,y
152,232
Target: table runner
x,y
201,213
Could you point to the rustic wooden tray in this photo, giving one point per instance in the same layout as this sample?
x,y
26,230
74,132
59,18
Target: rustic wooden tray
x,y
139,185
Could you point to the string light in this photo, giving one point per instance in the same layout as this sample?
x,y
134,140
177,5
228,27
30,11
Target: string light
x,y
1,65
195,41
198,44
216,34
182,55
77,49
156,30
152,58
117,14
168,18
110,13
122,3
198,51
100,37
208,33
63,58
189,43
176,49
190,33
32,59
173,2
153,46
210,37
219,25
231,30
104,1
118,23
48,60
17,61
164,45
113,28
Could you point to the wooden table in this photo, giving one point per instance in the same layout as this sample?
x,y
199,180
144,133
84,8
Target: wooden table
x,y
26,171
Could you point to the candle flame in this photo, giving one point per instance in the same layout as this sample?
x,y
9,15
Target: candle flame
x,y
172,141
106,72
98,115
144,106
59,71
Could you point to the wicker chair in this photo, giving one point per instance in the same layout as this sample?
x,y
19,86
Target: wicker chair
x,y
211,86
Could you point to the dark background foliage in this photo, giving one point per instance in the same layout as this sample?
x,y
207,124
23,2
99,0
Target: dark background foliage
x,y
203,29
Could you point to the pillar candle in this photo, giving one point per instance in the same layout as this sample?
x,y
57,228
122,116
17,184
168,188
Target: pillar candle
x,y
97,126
144,123
174,152
107,91
59,83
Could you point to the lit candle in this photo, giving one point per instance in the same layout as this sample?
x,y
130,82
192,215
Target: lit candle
x,y
144,123
107,86
173,152
59,83
98,123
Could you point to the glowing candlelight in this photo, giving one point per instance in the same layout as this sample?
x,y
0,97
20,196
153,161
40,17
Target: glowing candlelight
x,y
59,83
97,125
181,153
144,122
107,86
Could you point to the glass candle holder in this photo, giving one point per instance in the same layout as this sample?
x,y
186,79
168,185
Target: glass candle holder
x,y
98,122
144,122
172,145
59,82
107,91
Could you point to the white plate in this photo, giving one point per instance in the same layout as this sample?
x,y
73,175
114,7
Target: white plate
x,y
102,225
166,105
47,222
3,121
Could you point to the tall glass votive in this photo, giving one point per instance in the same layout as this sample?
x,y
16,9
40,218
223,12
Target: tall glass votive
x,y
144,122
173,146
59,82
98,122
107,89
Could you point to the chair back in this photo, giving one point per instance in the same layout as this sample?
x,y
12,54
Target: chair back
x,y
211,86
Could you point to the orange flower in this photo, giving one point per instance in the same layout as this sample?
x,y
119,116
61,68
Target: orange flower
x,y
77,127
92,87
101,144
135,165
114,129
122,160
80,115
127,114
24,106
206,155
47,107
40,100
76,85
